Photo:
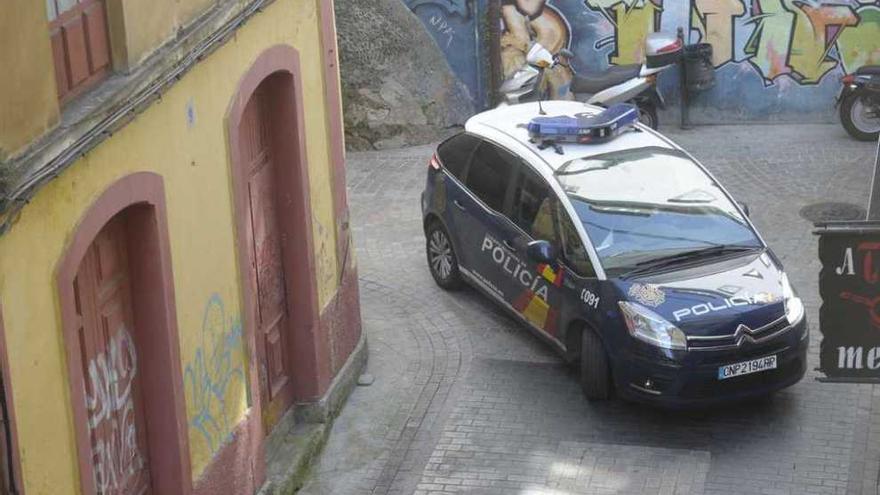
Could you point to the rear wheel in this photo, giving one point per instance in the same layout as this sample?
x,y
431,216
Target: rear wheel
x,y
648,115
595,368
442,260
860,117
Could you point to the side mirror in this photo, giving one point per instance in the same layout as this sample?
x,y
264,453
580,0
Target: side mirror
x,y
745,208
541,251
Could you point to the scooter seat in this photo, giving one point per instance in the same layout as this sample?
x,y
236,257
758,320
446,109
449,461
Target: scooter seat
x,y
612,76
868,70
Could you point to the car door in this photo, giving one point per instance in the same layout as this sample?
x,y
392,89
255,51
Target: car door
x,y
582,292
449,192
483,253
530,217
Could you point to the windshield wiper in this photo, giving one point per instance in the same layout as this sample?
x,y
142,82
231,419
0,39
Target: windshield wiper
x,y
685,256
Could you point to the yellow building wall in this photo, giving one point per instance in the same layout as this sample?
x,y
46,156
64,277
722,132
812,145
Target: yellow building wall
x,y
138,28
28,98
194,163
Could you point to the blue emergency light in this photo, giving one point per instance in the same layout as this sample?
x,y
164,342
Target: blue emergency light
x,y
584,128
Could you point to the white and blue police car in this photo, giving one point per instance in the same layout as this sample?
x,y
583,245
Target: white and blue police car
x,y
626,255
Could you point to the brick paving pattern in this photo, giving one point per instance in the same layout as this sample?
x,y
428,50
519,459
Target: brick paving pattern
x,y
468,401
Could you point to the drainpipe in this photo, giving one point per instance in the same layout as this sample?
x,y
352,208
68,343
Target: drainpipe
x,y
874,201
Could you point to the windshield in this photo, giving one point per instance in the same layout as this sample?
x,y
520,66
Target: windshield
x,y
648,203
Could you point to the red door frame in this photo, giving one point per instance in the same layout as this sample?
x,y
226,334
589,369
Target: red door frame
x,y
141,197
10,410
306,349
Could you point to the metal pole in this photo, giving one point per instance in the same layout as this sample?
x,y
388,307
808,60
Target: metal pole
x,y
682,83
874,201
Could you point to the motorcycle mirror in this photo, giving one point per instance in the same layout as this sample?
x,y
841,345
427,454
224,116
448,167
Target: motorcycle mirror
x,y
565,52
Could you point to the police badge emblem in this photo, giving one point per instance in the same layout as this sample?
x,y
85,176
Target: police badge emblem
x,y
647,294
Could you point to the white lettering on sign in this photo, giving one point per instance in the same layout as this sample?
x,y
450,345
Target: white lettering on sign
x,y
512,265
851,358
589,298
847,266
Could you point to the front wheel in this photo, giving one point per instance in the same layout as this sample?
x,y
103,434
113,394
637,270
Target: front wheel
x,y
442,260
860,115
595,368
648,115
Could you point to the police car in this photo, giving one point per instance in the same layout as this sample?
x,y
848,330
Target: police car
x,y
626,255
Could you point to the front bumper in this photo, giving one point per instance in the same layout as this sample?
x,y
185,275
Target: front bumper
x,y
692,380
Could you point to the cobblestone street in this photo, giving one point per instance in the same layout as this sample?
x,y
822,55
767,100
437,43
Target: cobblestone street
x,y
465,399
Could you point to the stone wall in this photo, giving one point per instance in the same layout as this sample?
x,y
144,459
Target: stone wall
x,y
397,86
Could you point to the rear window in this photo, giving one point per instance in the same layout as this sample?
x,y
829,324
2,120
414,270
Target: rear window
x,y
456,152
490,174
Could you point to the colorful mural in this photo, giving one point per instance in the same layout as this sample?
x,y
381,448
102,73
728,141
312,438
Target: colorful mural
x,y
214,378
775,59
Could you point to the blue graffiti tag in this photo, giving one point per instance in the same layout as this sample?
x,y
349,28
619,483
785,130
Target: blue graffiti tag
x,y
216,365
451,7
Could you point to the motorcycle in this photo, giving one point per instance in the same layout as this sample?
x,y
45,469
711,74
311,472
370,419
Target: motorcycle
x,y
859,102
636,83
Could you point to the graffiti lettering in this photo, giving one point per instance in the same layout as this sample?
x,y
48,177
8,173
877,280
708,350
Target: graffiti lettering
x,y
714,21
632,21
214,374
117,458
443,27
860,45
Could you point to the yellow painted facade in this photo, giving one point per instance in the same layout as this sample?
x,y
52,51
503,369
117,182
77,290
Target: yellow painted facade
x,y
28,100
193,159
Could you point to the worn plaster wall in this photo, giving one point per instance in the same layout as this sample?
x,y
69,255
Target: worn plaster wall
x,y
28,99
138,28
183,138
774,59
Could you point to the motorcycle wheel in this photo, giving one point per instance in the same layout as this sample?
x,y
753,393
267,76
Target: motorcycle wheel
x,y
856,116
648,115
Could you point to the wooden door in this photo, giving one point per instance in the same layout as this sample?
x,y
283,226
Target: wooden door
x,y
118,434
266,257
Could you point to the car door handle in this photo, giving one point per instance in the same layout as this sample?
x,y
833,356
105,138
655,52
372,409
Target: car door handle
x,y
458,205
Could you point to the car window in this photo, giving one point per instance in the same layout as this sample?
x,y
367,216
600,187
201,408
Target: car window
x,y
456,152
573,250
489,174
533,206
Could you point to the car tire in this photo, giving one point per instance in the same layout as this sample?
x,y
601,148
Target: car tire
x,y
852,106
648,115
442,260
595,369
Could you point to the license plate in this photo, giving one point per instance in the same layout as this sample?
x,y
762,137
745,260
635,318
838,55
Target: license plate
x,y
747,367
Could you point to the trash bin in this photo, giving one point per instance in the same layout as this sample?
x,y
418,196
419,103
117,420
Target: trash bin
x,y
698,67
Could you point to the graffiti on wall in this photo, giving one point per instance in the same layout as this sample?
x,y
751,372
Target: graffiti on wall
x,y
533,21
214,378
788,48
802,39
631,22
118,462
452,7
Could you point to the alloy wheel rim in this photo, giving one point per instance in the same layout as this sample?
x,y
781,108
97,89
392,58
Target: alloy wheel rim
x,y
441,254
861,117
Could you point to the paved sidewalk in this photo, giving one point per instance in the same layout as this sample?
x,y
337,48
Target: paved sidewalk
x,y
466,400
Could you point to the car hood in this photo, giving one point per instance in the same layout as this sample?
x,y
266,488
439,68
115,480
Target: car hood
x,y
713,299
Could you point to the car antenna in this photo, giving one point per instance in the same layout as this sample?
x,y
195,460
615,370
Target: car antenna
x,y
541,107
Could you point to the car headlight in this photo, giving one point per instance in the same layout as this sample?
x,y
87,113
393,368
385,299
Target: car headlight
x,y
652,328
794,307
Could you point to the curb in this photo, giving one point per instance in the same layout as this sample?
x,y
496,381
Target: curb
x,y
301,434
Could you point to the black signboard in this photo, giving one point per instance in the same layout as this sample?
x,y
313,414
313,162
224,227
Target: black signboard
x,y
849,285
